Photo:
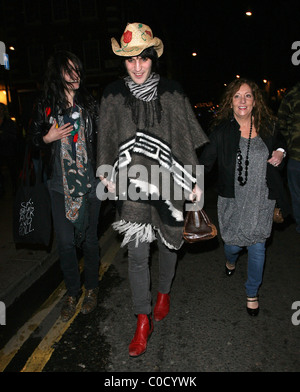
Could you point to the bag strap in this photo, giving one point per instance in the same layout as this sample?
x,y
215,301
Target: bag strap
x,y
194,206
38,179
25,177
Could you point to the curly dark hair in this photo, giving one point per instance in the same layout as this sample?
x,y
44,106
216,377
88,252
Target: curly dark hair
x,y
263,116
55,84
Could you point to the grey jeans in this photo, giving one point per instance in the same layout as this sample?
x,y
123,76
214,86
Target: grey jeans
x,y
139,273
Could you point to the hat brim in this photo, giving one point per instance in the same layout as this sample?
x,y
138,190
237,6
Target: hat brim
x,y
135,50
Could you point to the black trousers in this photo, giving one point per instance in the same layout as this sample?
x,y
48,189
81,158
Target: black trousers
x,y
64,231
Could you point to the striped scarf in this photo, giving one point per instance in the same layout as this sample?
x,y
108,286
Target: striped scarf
x,y
144,95
145,91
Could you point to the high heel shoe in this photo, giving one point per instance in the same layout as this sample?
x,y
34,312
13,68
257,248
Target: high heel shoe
x,y
251,311
143,331
229,271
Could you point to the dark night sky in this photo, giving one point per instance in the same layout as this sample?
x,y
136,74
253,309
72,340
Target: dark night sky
x,y
226,40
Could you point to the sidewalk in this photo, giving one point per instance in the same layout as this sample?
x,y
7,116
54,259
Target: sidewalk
x,y
20,266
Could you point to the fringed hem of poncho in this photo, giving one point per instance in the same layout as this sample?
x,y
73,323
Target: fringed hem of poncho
x,y
139,232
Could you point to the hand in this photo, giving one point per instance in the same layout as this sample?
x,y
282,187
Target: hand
x,y
111,186
196,194
57,133
277,157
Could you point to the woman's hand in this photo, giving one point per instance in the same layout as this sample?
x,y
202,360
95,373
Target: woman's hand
x,y
195,195
277,157
111,186
57,133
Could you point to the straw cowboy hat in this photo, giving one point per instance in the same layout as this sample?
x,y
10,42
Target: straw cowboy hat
x,y
135,39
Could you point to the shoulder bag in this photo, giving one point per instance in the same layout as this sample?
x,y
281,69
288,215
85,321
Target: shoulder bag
x,y
32,221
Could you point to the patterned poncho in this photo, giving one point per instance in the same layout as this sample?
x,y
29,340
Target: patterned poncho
x,y
136,140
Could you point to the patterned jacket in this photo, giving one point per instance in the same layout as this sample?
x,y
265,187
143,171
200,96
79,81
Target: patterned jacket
x,y
40,125
289,121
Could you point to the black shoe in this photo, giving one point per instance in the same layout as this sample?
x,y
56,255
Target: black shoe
x,y
229,272
253,312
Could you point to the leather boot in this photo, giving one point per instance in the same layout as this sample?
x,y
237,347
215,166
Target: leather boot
x,y
90,300
162,306
69,308
143,331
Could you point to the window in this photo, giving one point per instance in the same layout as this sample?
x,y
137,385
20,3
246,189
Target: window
x,y
32,12
88,9
60,10
36,58
91,55
63,46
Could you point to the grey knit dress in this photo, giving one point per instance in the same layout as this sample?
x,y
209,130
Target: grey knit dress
x,y
247,219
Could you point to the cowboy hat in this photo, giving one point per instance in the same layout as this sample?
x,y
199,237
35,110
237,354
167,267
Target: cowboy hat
x,y
135,39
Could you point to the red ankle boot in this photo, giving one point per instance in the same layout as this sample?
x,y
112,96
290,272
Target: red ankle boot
x,y
162,306
143,331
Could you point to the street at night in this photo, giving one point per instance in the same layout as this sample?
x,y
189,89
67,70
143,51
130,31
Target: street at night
x,y
203,47
207,329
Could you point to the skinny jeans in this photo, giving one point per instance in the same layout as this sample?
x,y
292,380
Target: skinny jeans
x,y
256,261
64,231
139,273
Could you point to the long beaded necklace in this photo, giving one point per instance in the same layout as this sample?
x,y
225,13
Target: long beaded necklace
x,y
239,157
